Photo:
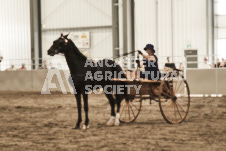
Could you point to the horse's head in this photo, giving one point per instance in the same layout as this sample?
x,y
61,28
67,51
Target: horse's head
x,y
58,46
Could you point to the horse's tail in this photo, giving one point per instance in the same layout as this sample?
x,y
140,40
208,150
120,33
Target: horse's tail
x,y
120,74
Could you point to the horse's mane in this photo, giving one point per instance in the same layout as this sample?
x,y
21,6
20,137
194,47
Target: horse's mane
x,y
78,53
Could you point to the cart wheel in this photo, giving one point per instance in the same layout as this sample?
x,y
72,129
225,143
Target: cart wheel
x,y
130,109
174,98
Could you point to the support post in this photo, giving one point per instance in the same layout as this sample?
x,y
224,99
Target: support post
x,y
210,29
36,33
172,28
115,28
124,26
130,30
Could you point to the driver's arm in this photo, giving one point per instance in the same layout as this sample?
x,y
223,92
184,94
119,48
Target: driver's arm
x,y
148,58
167,68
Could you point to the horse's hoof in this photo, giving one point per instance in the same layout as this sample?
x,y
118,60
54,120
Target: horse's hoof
x,y
117,123
110,124
84,127
111,121
76,127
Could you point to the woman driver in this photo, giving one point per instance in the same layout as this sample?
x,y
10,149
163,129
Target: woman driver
x,y
150,63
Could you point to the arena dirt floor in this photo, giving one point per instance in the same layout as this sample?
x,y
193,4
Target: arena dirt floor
x,y
45,122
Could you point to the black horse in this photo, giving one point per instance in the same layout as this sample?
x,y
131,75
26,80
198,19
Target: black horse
x,y
79,67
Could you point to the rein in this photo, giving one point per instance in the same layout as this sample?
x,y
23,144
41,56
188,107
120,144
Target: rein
x,y
125,54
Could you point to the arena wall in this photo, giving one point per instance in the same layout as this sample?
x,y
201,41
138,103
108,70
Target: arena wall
x,y
34,81
205,82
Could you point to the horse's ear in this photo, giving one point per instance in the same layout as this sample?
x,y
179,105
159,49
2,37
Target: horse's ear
x,y
66,36
61,35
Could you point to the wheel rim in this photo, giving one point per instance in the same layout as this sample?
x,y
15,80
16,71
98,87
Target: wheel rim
x,y
130,109
174,98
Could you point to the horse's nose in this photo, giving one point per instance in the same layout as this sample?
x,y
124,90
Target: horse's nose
x,y
49,52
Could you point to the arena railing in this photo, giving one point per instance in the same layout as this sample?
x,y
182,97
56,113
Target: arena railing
x,y
34,64
125,62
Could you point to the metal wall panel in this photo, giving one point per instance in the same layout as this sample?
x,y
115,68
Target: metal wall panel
x,y
15,32
188,25
221,33
145,23
221,21
164,31
75,13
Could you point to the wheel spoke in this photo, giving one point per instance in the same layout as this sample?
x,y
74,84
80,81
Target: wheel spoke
x,y
168,106
175,86
125,114
176,83
175,111
135,106
171,114
182,102
178,111
128,110
132,110
167,89
181,89
172,88
166,94
178,86
181,107
122,108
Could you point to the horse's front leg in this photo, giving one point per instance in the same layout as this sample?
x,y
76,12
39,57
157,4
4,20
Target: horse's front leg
x,y
86,108
78,99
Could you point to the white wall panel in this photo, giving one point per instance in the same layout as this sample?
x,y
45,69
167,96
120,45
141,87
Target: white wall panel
x,y
221,21
189,26
15,32
164,31
188,21
75,13
221,33
145,23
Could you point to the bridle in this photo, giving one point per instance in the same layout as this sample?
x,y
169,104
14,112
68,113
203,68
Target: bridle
x,y
65,43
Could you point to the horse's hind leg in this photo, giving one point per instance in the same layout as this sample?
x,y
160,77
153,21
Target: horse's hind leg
x,y
78,98
85,99
118,102
112,103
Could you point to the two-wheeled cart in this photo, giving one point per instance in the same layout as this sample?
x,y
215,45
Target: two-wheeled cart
x,y
171,92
